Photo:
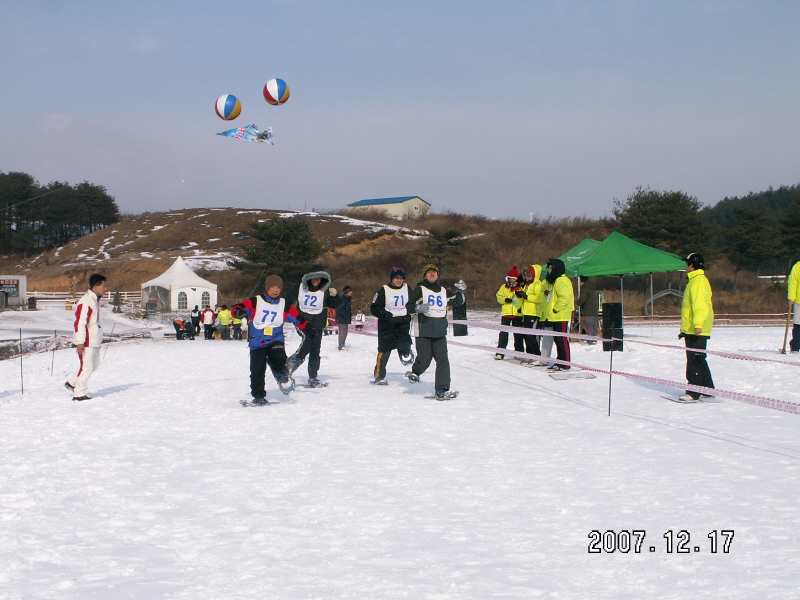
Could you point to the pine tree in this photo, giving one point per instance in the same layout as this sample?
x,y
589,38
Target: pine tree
x,y
669,221
751,242
288,247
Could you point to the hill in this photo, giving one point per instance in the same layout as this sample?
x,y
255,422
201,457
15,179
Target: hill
x,y
357,252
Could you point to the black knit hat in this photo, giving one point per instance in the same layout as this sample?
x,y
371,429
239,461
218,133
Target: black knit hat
x,y
396,272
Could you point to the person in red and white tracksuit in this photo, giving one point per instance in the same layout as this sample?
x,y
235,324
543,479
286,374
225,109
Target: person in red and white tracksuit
x,y
87,336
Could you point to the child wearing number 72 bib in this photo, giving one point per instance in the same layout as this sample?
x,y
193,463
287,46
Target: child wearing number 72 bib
x,y
266,315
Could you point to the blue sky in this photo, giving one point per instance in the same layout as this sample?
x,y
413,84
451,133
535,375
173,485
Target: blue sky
x,y
501,109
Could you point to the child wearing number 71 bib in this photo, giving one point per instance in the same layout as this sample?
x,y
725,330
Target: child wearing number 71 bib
x,y
266,315
389,306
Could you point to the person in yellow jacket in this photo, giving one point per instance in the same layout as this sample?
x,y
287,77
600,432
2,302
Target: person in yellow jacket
x,y
510,297
793,294
697,317
558,309
532,307
224,316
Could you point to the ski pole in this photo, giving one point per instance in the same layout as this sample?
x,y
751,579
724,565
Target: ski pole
x,y
786,330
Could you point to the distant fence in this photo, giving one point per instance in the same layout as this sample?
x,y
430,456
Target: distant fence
x,y
59,298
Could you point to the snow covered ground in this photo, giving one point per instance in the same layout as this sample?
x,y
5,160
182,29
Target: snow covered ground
x,y
163,486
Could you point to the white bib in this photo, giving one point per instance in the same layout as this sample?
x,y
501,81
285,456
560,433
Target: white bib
x,y
437,302
268,316
311,302
396,300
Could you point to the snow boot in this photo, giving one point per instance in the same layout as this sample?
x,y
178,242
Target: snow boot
x,y
70,387
315,383
378,381
81,398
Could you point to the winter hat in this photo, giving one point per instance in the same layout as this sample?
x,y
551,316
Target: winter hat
x,y
346,289
513,273
429,267
396,272
273,280
696,260
333,292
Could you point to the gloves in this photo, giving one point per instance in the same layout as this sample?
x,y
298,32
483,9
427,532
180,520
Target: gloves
x,y
423,308
509,300
461,285
520,294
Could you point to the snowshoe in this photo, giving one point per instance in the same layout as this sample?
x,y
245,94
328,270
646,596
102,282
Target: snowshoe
x,y
292,363
285,382
407,358
557,368
81,398
316,383
446,395
378,381
412,377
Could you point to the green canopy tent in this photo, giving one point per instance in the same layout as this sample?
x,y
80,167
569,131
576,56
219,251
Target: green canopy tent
x,y
579,253
618,255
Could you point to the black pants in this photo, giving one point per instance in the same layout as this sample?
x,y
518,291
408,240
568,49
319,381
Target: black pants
x,y
275,356
519,339
794,344
208,331
531,341
697,371
237,331
393,334
433,349
561,342
310,347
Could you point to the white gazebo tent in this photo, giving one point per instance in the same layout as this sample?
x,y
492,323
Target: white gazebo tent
x,y
178,288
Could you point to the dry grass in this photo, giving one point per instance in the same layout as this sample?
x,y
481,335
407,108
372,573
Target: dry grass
x,y
362,259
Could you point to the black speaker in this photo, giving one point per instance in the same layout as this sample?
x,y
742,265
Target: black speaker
x,y
609,333
612,314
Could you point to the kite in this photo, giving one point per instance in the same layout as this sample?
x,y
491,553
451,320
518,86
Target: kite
x,y
250,132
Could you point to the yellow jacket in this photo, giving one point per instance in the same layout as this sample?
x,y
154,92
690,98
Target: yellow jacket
x,y
793,293
224,317
697,310
561,300
534,294
510,309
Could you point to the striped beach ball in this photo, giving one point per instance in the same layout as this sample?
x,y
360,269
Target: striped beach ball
x,y
228,107
276,91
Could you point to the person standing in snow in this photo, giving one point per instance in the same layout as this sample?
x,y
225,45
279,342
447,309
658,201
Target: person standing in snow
x,y
510,297
87,337
344,314
428,303
312,301
360,318
558,309
208,316
793,294
532,309
589,307
697,318
195,316
389,306
460,311
267,314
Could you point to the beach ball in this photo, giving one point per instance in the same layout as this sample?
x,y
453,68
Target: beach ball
x,y
228,107
276,91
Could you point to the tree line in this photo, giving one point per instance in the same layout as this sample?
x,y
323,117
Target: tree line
x,y
35,217
759,232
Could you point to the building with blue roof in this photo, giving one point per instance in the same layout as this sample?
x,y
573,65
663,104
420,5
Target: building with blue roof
x,y
400,207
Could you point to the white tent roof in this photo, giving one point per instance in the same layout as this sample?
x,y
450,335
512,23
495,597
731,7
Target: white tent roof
x,y
179,275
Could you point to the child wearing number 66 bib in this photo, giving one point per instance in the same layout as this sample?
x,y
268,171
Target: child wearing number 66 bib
x,y
429,302
266,314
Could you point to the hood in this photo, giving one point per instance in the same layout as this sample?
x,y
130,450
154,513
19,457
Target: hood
x,y
536,271
558,270
323,285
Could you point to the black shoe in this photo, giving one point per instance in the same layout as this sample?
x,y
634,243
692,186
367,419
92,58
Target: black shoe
x,y
67,385
412,377
81,398
315,383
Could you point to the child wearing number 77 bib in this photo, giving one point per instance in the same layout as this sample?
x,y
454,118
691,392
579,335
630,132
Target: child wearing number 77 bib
x,y
266,315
